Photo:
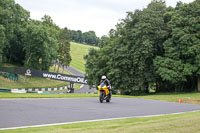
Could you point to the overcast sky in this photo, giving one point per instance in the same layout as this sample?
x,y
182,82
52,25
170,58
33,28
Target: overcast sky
x,y
97,15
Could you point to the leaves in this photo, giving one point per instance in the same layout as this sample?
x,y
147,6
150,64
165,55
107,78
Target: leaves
x,y
30,43
156,45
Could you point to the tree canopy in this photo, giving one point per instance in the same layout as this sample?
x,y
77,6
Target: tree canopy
x,y
154,48
89,37
31,43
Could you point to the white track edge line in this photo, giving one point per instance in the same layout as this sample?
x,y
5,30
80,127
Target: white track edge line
x,y
55,124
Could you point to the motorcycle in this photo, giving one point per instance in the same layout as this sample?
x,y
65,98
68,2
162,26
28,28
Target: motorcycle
x,y
104,93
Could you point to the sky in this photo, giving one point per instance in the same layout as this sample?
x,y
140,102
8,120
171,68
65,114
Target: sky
x,y
85,15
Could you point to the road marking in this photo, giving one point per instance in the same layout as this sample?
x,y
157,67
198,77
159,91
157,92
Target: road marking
x,y
65,123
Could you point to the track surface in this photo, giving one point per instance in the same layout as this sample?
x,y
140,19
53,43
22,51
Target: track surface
x,y
83,89
29,112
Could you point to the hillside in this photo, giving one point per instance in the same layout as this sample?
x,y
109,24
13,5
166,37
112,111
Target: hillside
x,y
78,51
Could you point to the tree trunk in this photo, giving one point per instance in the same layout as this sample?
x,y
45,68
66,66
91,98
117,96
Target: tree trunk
x,y
58,67
62,69
55,66
29,58
198,84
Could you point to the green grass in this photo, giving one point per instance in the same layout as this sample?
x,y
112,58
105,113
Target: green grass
x,y
78,51
36,95
175,123
193,98
30,82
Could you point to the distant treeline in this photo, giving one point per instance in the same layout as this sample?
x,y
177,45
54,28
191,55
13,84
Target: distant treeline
x,y
89,37
31,43
157,48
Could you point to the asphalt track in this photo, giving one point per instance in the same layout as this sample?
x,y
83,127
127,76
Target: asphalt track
x,y
84,88
30,112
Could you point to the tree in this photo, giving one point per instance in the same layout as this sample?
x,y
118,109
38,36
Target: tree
x,y
19,35
27,42
92,75
2,42
13,19
180,64
41,49
64,48
127,55
145,34
89,37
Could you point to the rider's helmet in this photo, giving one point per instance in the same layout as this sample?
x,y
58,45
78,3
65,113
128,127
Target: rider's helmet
x,y
103,77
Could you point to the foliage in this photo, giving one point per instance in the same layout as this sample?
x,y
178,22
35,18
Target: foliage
x,y
64,48
89,37
180,64
30,43
40,48
2,42
153,48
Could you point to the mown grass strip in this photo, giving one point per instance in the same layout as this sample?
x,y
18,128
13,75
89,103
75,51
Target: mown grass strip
x,y
36,95
78,51
31,82
193,98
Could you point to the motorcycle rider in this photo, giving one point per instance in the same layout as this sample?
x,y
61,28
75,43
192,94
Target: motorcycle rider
x,y
107,82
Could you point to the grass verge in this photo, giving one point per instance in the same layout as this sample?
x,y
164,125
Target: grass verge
x,y
175,123
193,98
36,95
30,82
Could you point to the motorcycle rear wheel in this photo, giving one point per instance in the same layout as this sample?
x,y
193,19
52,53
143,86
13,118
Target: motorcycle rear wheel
x,y
109,99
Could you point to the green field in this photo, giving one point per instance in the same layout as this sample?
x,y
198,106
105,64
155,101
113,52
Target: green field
x,y
78,51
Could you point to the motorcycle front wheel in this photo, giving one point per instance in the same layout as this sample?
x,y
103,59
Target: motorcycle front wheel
x,y
101,97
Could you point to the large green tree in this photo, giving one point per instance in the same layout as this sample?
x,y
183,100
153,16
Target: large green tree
x,y
127,55
13,19
180,64
64,48
30,43
2,42
41,49
89,37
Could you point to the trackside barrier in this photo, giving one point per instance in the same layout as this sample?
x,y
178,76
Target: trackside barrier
x,y
5,90
35,90
44,74
18,91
